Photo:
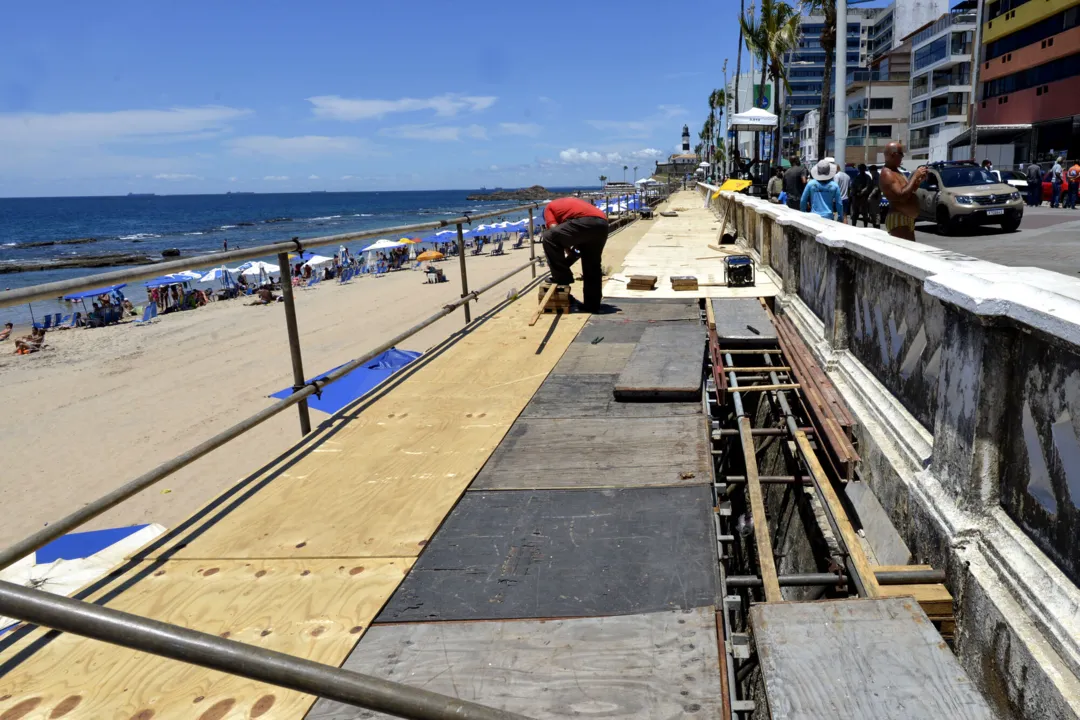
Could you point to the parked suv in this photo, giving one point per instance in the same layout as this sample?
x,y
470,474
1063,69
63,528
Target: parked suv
x,y
962,193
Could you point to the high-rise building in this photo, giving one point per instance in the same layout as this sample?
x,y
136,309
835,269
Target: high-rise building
x,y
1030,79
878,104
941,83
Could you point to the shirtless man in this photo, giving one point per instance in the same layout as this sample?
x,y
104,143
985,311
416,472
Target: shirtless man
x,y
900,192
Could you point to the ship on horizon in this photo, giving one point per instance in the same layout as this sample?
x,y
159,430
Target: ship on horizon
x,y
142,194
240,192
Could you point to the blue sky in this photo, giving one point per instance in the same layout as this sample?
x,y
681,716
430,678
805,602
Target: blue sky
x,y
187,97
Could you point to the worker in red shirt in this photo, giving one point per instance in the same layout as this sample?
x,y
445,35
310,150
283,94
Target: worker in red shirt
x,y
576,229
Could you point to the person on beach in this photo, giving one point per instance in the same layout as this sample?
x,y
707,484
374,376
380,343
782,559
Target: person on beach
x,y
6,332
821,195
31,343
576,229
900,192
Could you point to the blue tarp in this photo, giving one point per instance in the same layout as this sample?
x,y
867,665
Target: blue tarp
x,y
84,544
168,280
356,384
94,293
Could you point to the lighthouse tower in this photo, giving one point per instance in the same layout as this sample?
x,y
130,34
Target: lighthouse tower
x,y
685,139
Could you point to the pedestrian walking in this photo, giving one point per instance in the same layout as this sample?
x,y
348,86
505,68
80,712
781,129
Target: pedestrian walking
x,y
822,194
1057,176
794,182
860,197
776,186
1034,179
843,181
1072,176
874,201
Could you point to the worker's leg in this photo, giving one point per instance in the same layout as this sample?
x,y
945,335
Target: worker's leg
x,y
556,242
591,249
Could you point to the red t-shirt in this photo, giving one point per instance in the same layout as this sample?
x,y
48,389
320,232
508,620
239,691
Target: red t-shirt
x,y
568,208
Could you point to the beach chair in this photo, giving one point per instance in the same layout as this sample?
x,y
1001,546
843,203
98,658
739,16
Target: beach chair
x,y
66,322
498,249
519,243
44,324
149,313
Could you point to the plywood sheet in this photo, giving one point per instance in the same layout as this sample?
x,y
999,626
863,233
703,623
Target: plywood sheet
x,y
860,659
656,665
666,364
587,358
564,553
887,546
599,452
659,310
315,609
589,396
611,329
380,486
742,322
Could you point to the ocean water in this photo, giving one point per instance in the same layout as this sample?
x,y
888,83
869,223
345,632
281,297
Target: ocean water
x,y
197,225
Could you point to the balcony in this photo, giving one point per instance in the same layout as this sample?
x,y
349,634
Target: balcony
x,y
919,89
918,143
872,141
938,111
868,76
918,117
946,80
962,17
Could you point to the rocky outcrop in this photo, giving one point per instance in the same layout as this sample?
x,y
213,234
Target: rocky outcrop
x,y
82,261
529,194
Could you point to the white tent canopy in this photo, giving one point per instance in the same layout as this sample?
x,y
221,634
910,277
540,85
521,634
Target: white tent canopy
x,y
384,245
257,268
318,261
646,181
220,274
753,119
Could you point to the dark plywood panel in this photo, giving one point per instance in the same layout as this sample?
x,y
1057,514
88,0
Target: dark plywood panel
x,y
853,659
654,310
885,542
589,396
742,322
656,665
587,358
598,452
564,553
611,329
666,364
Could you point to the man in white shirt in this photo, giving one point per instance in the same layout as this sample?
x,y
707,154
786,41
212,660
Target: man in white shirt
x,y
844,181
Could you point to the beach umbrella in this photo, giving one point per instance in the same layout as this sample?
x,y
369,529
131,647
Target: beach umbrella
x,y
219,274
317,261
430,255
383,245
257,269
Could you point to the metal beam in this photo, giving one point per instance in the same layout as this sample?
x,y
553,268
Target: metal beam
x,y
890,577
235,658
294,340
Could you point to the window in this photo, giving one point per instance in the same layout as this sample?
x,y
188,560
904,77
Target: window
x,y
1052,71
1042,30
880,131
881,103
930,53
1001,7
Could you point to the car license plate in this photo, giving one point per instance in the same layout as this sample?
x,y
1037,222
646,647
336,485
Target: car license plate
x,y
999,211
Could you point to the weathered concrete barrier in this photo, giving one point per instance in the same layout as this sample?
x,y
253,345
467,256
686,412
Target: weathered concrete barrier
x,y
965,377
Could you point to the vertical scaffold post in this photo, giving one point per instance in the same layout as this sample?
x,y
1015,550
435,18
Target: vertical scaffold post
x,y
532,246
294,340
464,276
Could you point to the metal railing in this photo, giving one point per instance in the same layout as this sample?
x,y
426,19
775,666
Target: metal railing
x,y
942,81
179,643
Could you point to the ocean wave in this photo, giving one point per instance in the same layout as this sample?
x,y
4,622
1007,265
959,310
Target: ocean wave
x,y
195,233
139,236
226,227
364,215
10,244
328,217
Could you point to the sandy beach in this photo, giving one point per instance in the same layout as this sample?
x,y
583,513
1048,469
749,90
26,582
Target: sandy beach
x,y
99,407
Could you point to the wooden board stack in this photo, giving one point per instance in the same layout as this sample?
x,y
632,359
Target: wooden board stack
x,y
559,302
684,282
641,282
935,599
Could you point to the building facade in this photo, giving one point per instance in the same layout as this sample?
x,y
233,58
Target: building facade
x,y
1030,77
808,137
751,95
878,103
682,164
941,83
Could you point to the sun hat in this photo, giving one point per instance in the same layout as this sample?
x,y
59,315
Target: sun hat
x,y
824,171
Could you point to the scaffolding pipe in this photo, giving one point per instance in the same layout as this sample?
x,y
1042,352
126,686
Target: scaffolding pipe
x,y
890,577
294,340
91,510
235,658
532,242
50,291
464,274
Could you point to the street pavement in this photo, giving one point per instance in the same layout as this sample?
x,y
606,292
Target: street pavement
x,y
1048,238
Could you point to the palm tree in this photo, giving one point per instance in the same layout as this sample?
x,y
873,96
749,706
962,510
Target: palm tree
x,y
772,37
828,44
717,100
624,169
603,180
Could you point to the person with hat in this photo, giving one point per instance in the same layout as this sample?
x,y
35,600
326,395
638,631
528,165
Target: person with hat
x,y
1057,176
822,195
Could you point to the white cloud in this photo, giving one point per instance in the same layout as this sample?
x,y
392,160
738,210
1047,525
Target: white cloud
x,y
233,179
346,177
176,176
296,148
95,128
335,107
436,133
276,178
312,177
512,128
573,156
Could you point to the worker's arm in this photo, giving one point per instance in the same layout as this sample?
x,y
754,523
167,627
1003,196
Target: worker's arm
x,y
804,203
549,217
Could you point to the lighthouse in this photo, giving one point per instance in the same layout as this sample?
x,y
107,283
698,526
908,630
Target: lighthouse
x,y
685,139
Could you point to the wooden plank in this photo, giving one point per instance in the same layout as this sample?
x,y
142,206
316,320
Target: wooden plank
x,y
887,545
762,534
553,669
380,484
857,659
564,553
829,496
667,364
600,358
591,396
599,452
659,310
543,303
710,316
934,599
314,609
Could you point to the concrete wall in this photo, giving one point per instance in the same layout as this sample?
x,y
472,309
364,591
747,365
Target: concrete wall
x,y
965,378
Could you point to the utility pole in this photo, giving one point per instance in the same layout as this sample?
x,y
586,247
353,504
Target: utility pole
x,y
840,92
976,64
726,114
869,102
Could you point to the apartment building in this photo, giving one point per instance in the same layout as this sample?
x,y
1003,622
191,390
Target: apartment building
x,y
941,83
878,104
